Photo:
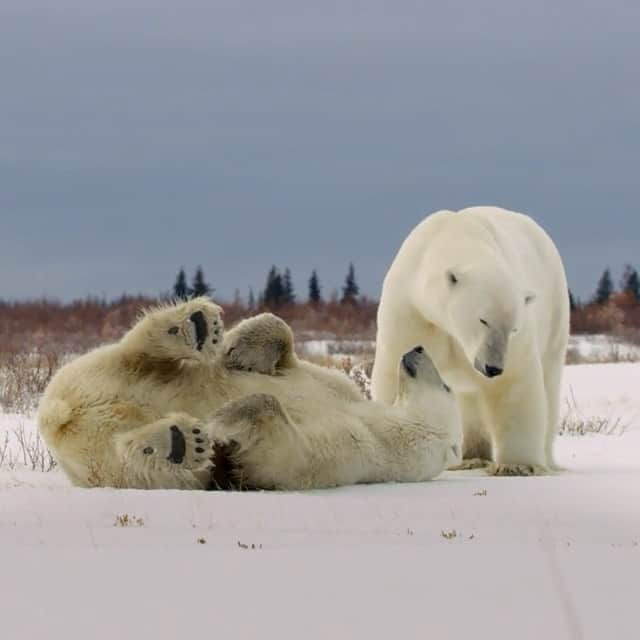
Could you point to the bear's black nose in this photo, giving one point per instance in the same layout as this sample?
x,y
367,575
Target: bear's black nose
x,y
410,362
493,372
419,349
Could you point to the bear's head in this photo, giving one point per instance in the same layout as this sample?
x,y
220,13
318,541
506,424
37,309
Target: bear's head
x,y
483,309
422,391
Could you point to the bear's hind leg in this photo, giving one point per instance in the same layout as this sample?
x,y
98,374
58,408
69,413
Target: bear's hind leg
x,y
262,344
174,452
166,336
552,384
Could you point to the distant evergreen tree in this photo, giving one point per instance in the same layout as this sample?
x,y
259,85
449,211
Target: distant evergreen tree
x,y
630,282
199,286
605,288
251,302
181,290
351,289
273,295
288,292
573,305
315,296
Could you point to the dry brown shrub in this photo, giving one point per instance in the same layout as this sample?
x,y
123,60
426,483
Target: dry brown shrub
x,y
597,319
24,376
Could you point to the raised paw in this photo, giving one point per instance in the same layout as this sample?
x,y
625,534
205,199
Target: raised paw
x,y
495,469
179,444
190,330
261,344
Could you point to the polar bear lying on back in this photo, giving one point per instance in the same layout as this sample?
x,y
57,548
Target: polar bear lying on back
x,y
174,405
485,292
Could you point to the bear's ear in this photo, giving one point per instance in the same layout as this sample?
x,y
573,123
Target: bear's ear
x,y
529,297
452,278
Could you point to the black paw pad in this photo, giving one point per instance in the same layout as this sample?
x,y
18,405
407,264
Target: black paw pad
x,y
200,325
147,451
199,450
196,431
178,446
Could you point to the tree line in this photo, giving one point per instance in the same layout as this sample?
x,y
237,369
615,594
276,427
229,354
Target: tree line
x,y
278,291
629,287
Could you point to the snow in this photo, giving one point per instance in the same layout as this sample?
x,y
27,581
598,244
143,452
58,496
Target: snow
x,y
603,348
462,556
336,349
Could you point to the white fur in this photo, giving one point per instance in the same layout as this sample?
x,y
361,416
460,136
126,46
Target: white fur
x,y
307,426
455,270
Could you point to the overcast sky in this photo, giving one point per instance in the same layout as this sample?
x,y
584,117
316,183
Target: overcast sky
x,y
138,137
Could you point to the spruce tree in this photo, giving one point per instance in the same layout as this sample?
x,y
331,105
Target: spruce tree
x,y
605,288
288,292
251,302
274,290
631,283
351,289
315,296
199,285
573,305
180,289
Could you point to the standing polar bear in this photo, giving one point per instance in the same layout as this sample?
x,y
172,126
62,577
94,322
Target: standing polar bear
x,y
484,290
176,404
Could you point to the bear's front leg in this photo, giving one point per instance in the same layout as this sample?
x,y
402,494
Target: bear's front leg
x,y
262,344
476,446
515,410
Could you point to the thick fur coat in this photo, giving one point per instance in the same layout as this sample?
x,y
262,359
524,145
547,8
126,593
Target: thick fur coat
x,y
485,291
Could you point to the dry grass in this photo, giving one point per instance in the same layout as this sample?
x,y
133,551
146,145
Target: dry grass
x,y
576,423
611,350
125,520
24,377
250,547
28,451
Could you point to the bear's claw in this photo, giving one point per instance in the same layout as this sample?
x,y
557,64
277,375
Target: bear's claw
x,y
495,469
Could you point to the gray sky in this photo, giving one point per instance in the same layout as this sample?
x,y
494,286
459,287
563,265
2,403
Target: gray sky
x,y
138,137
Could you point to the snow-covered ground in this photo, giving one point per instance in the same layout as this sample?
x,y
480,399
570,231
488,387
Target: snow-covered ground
x,y
602,348
465,556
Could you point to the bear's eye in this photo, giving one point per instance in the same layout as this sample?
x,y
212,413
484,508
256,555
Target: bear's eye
x,y
447,388
452,277
484,322
173,331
